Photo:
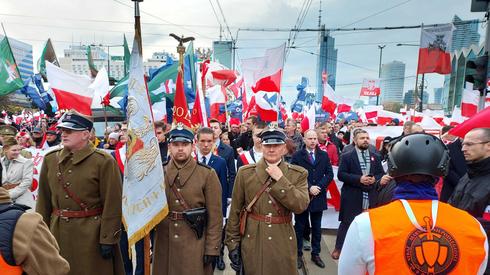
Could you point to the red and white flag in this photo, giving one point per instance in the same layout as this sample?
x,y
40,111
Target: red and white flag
x,y
434,52
370,87
217,100
263,75
479,120
308,121
470,100
456,117
329,103
71,90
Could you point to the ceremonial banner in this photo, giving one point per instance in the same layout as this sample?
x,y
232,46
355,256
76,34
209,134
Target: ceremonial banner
x,y
144,200
370,87
434,55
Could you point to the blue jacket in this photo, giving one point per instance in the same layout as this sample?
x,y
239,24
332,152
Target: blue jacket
x,y
226,152
320,174
350,174
219,166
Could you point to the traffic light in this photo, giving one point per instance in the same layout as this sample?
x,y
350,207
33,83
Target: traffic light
x,y
476,72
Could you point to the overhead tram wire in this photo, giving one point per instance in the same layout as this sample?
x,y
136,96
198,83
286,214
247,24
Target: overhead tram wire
x,y
356,29
376,13
336,59
299,23
224,20
216,16
163,20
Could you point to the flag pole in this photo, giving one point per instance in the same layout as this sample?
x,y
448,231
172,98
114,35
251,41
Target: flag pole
x,y
137,33
416,94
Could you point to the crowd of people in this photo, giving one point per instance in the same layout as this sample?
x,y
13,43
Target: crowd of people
x,y
249,180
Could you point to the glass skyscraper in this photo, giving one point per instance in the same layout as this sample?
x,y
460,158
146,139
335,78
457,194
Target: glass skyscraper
x,y
326,63
392,81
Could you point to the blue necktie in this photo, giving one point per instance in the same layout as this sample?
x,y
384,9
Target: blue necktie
x,y
312,157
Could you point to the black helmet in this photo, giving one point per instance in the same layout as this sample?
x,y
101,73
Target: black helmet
x,y
418,154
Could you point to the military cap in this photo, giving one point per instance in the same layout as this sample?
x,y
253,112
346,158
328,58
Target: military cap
x,y
75,122
181,133
272,135
37,130
7,130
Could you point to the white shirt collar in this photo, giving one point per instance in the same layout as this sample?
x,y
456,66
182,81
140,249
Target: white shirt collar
x,y
199,156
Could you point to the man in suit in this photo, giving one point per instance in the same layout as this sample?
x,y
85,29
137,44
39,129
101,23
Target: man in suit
x,y
320,173
204,155
359,169
255,153
224,151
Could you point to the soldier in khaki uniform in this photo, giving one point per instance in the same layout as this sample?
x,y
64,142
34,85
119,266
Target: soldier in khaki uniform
x,y
268,243
178,250
10,131
80,200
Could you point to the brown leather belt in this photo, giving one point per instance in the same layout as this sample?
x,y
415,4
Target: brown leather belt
x,y
77,214
10,186
175,216
271,219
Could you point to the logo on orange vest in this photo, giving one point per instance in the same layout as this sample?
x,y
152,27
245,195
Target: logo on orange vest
x,y
434,251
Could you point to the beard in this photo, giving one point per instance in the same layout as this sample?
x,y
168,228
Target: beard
x,y
363,146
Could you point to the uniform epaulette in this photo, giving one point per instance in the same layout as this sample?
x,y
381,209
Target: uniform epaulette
x,y
296,168
204,165
102,152
248,166
53,150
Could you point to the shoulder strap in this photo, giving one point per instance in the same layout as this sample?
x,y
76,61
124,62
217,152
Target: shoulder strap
x,y
61,181
257,196
180,197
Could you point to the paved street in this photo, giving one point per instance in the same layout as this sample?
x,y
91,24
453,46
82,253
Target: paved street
x,y
328,243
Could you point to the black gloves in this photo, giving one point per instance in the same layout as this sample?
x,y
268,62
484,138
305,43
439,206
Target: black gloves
x,y
236,259
209,259
107,250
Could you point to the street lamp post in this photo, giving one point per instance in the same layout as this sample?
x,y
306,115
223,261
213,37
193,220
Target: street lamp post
x,y
421,105
380,47
108,56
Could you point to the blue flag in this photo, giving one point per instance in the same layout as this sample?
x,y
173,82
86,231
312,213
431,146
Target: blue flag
x,y
154,72
300,101
31,92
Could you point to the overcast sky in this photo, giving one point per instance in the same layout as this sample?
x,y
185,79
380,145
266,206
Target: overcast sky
x,y
105,21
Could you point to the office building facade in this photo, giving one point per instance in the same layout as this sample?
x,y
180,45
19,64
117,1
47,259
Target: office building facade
x,y
392,81
326,63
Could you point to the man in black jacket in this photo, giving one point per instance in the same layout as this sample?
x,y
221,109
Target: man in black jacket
x,y
473,191
320,174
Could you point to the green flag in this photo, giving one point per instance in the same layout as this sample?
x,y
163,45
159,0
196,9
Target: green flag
x,y
93,69
163,84
120,89
127,56
10,80
48,54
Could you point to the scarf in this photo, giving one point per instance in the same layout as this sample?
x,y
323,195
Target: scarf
x,y
415,191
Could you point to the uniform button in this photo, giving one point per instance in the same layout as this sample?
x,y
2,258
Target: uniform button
x,y
248,236
290,237
178,189
232,241
270,201
270,225
215,247
176,224
69,171
282,191
66,196
104,236
67,183
176,201
176,236
96,217
270,238
270,214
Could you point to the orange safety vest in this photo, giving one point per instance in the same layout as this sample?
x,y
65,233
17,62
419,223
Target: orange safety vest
x,y
6,269
455,245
